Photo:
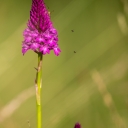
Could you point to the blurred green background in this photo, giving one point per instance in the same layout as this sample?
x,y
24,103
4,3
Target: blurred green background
x,y
87,83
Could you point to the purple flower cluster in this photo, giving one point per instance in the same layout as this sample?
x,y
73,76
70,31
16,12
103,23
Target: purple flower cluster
x,y
40,35
77,125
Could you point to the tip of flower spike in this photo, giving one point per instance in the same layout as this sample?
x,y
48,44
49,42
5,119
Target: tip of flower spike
x,y
77,125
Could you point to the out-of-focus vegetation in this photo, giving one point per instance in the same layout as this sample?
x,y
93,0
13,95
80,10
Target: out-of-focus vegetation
x,y
89,85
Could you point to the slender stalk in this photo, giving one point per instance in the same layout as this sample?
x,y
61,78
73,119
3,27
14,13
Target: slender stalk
x,y
38,85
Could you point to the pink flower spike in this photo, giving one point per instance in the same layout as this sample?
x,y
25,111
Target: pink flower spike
x,y
40,35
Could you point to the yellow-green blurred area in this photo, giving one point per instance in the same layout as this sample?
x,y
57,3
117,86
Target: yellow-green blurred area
x,y
87,83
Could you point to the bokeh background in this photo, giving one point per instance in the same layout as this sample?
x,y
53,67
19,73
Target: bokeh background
x,y
87,83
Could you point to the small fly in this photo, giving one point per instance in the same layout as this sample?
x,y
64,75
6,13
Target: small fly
x,y
50,12
29,124
72,30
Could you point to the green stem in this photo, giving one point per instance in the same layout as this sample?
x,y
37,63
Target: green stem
x,y
38,85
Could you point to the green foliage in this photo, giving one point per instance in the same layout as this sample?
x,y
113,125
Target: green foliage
x,y
70,94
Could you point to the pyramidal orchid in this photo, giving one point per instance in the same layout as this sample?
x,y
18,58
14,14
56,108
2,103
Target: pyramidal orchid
x,y
41,37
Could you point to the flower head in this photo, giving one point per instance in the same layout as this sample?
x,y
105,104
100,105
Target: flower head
x,y
40,35
77,125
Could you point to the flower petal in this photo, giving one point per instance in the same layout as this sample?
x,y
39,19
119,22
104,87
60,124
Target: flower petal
x,y
57,51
